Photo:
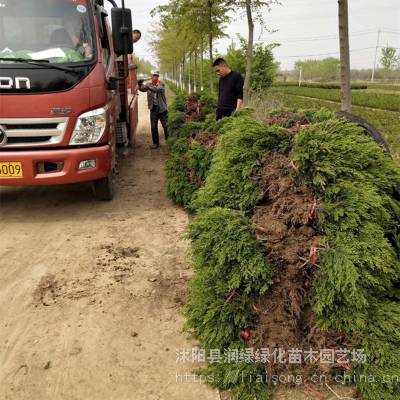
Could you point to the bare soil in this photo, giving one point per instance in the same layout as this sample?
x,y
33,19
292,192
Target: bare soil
x,y
207,139
285,227
90,292
193,108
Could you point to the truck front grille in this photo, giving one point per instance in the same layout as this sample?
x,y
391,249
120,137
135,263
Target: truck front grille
x,y
33,131
29,140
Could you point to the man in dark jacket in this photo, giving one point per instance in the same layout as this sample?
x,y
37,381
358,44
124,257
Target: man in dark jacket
x,y
230,96
157,103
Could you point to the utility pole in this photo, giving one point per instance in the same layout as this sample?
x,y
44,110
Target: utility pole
x,y
300,75
376,55
345,85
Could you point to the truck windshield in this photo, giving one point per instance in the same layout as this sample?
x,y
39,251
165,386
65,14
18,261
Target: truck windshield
x,y
59,31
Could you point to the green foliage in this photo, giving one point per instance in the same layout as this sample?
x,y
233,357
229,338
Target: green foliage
x,y
209,104
144,66
180,188
356,285
264,67
188,130
357,268
348,204
245,381
188,163
237,158
226,257
382,348
175,120
179,102
338,301
236,57
320,115
199,160
184,29
386,122
384,86
321,70
354,179
389,58
336,149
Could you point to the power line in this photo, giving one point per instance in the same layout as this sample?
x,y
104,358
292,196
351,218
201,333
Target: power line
x,y
326,54
336,52
391,32
327,37
314,39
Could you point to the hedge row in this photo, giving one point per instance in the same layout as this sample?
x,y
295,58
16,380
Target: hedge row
x,y
334,85
321,85
352,288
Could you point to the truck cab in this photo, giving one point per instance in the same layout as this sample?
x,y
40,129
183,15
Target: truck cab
x,y
64,103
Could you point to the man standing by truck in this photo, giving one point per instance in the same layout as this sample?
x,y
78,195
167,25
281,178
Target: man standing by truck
x,y
157,103
230,89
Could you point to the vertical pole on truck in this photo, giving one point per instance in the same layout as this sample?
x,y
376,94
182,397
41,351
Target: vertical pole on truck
x,y
125,56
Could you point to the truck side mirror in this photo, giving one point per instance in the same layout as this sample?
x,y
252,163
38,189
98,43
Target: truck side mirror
x,y
121,19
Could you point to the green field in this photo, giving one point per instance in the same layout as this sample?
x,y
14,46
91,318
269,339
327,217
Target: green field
x,y
365,98
382,86
387,122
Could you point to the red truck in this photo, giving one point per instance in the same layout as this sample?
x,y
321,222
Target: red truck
x,y
65,105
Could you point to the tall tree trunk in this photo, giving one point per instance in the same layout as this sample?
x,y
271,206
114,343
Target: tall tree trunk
x,y
195,72
249,63
345,90
175,73
202,66
210,44
190,73
180,76
184,72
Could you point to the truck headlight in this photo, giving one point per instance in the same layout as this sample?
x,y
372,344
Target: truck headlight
x,y
89,127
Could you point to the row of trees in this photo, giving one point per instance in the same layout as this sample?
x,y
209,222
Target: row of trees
x,y
185,39
187,27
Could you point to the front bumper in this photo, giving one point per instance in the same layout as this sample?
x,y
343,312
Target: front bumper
x,y
68,159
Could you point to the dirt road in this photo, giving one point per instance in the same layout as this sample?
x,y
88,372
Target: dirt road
x,y
90,292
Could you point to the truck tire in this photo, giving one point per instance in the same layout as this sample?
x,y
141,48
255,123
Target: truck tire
x,y
104,189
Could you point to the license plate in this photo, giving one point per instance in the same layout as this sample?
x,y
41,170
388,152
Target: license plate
x,y
11,170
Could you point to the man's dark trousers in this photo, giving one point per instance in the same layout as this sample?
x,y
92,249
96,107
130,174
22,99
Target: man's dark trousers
x,y
156,116
221,113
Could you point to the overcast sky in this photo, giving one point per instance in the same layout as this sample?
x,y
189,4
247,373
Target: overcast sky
x,y
305,28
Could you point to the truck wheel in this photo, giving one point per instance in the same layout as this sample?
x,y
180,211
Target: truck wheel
x,y
104,189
